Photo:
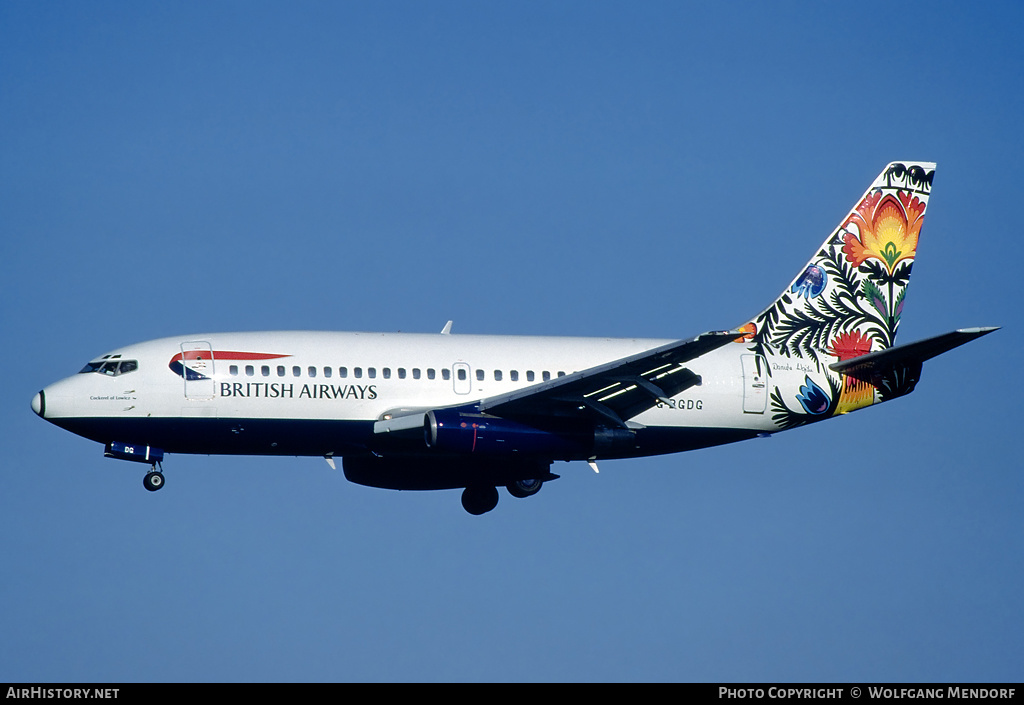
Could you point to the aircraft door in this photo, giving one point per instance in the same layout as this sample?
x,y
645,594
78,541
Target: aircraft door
x,y
755,384
197,369
461,378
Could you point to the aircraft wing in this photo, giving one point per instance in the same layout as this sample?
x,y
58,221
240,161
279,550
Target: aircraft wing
x,y
615,391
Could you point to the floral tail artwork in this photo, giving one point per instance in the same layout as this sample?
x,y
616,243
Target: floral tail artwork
x,y
846,303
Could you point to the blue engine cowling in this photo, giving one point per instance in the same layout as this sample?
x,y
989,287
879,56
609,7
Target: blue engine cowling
x,y
455,431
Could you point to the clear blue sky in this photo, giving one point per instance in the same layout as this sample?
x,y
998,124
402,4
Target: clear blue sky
x,y
585,168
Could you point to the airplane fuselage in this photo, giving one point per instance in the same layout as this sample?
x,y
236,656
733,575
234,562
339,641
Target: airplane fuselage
x,y
321,393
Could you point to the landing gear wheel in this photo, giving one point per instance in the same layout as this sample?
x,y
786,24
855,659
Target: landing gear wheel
x,y
153,481
479,500
524,488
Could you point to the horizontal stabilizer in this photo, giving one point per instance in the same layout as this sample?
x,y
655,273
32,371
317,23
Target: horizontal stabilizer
x,y
909,354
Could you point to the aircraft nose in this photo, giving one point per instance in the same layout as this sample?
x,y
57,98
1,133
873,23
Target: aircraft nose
x,y
39,404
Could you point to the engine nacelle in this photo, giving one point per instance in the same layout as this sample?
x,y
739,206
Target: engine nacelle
x,y
454,431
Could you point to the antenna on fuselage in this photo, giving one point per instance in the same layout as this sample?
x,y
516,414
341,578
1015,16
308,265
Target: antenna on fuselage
x,y
447,328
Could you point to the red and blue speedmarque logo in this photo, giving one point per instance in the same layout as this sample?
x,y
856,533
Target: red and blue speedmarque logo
x,y
195,365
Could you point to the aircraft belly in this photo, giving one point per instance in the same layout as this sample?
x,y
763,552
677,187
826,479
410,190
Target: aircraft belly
x,y
659,440
227,436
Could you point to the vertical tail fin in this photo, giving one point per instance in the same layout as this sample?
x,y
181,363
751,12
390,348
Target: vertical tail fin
x,y
848,300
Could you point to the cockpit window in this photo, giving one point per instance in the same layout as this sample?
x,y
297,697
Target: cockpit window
x,y
111,368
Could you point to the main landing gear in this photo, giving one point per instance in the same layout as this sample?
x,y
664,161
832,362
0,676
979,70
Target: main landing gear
x,y
154,479
480,499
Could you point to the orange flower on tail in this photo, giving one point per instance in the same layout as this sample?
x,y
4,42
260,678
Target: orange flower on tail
x,y
888,227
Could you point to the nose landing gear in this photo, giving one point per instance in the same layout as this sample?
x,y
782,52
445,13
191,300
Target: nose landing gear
x,y
154,479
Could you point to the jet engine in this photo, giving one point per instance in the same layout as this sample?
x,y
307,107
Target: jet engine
x,y
454,431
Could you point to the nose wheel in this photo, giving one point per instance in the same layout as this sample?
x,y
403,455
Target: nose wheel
x,y
153,480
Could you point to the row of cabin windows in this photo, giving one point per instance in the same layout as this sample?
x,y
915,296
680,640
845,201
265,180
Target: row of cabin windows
x,y
385,373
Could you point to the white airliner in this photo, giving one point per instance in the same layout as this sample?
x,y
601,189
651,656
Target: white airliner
x,y
443,411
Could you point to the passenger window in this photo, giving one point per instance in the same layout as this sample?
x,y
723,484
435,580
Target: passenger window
x,y
343,372
497,375
480,375
561,374
250,370
546,375
446,373
357,372
312,371
461,374
401,373
529,375
265,370
430,373
280,370
233,370
327,372
513,375
415,372
296,371
371,372
386,373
